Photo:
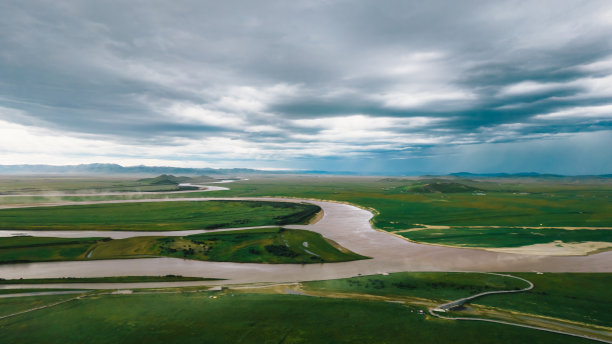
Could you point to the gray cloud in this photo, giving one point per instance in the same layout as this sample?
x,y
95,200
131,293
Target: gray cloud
x,y
251,75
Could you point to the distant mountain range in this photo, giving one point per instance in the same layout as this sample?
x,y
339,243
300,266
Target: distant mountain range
x,y
118,169
110,169
522,175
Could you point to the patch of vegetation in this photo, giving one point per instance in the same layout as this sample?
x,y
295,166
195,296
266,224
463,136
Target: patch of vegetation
x,y
12,305
260,245
508,202
249,318
264,245
33,185
505,237
115,279
32,249
440,286
438,187
158,216
164,179
538,203
583,297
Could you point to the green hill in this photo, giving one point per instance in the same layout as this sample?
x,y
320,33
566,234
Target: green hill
x,y
164,179
439,187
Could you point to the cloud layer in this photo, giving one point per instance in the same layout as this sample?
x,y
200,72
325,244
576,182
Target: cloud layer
x,y
388,87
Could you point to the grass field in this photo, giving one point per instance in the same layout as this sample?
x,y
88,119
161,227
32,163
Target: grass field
x,y
248,318
11,185
505,237
19,304
583,297
35,249
439,286
262,245
535,204
157,216
403,203
272,316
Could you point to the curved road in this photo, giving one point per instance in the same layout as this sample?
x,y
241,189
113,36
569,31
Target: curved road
x,y
459,302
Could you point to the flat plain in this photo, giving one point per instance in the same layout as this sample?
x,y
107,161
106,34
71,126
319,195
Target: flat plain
x,y
485,214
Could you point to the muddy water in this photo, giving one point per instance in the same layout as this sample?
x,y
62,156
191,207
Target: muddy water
x,y
347,225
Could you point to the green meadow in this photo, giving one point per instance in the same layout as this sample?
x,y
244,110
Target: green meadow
x,y
581,297
399,203
261,245
404,202
11,185
505,237
247,318
349,315
439,286
157,216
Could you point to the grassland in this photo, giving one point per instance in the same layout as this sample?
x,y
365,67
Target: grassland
x,y
19,304
505,203
405,203
248,318
11,185
262,245
582,297
158,216
505,237
438,286
35,249
346,310
533,204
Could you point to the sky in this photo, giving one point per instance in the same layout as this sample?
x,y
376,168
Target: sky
x,y
387,87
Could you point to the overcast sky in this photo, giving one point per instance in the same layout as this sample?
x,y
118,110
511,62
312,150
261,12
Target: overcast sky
x,y
367,86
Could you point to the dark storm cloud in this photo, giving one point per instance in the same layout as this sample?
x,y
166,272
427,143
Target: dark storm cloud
x,y
399,77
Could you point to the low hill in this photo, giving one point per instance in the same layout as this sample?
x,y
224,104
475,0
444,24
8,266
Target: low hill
x,y
440,187
164,179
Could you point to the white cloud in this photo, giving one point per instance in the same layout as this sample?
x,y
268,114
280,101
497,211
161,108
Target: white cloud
x,y
198,114
530,87
365,122
579,113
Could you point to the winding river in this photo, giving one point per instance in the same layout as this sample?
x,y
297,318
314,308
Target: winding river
x,y
345,224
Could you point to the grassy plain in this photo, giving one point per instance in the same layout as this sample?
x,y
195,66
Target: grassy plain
x,y
19,304
519,204
405,203
342,305
582,297
249,318
439,286
505,237
157,216
262,245
505,203
34,249
12,185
